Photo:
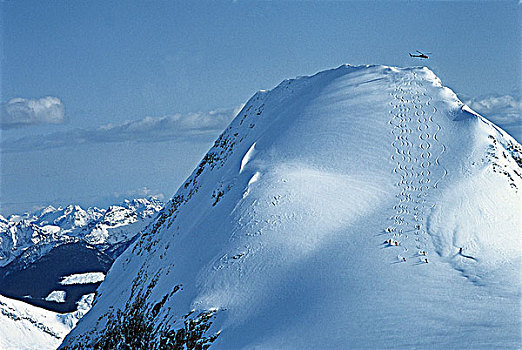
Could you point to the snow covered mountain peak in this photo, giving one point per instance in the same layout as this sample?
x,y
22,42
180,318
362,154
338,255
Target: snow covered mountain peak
x,y
362,207
51,226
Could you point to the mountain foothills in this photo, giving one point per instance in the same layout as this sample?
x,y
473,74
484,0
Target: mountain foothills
x,y
53,260
362,207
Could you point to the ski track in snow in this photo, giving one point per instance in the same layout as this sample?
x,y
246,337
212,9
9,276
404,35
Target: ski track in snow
x,y
415,141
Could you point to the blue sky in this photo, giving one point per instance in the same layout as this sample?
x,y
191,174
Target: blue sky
x,y
129,96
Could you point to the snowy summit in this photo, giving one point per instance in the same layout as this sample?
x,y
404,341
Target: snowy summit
x,y
362,207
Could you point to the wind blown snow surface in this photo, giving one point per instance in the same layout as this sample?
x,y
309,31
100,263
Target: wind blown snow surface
x,y
362,207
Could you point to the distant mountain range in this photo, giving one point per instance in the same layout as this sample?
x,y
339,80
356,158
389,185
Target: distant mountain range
x,y
52,226
56,258
364,207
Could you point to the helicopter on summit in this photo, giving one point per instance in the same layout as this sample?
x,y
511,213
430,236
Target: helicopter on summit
x,y
421,55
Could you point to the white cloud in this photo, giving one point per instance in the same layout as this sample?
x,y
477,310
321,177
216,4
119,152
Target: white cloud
x,y
19,112
143,192
506,108
503,110
149,129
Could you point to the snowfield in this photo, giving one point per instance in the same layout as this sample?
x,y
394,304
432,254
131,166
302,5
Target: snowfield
x,y
83,278
56,296
26,327
359,208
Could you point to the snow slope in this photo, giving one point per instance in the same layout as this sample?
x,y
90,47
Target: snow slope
x,y
27,327
362,207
